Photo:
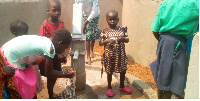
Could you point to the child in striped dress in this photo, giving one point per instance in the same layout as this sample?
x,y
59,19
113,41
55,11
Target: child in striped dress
x,y
114,57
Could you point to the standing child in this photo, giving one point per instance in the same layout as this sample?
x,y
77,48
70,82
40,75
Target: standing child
x,y
47,29
19,28
114,57
174,23
52,23
90,26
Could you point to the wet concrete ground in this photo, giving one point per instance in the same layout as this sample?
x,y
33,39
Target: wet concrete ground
x,y
95,85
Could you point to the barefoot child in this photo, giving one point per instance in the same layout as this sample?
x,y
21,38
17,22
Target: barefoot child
x,y
114,57
47,29
24,52
90,26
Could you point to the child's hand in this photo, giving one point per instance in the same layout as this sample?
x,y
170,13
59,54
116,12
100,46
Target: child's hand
x,y
69,72
110,41
9,71
124,29
123,39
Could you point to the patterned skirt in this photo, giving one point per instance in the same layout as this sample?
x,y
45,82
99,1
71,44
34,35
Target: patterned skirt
x,y
92,29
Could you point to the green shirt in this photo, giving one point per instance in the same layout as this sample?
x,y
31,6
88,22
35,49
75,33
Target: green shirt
x,y
177,16
24,50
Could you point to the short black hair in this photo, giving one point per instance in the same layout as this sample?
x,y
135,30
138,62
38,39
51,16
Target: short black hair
x,y
112,12
63,35
18,27
50,2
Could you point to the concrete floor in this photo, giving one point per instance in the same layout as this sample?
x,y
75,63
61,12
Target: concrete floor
x,y
95,85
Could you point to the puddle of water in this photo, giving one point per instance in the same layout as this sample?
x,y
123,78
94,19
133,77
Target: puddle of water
x,y
64,88
68,85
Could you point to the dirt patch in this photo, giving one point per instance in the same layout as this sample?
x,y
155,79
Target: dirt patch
x,y
136,69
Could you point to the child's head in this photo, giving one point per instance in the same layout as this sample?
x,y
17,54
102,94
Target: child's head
x,y
54,8
61,39
19,28
112,18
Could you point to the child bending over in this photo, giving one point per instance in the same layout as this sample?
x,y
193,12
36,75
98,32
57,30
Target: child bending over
x,y
47,29
24,52
114,57
8,89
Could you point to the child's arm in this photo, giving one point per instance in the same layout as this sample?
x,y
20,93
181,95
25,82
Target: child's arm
x,y
43,31
7,71
103,39
123,39
101,43
51,73
84,26
156,35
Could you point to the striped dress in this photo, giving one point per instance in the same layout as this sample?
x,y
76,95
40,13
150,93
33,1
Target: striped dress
x,y
114,56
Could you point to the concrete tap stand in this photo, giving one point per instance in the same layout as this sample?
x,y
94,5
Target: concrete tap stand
x,y
79,64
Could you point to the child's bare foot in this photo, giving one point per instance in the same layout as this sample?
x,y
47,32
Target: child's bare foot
x,y
92,55
88,61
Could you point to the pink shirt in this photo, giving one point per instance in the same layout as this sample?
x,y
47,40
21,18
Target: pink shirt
x,y
48,29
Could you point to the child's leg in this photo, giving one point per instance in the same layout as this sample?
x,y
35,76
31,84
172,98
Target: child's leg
x,y
166,95
122,87
35,97
162,94
159,92
122,78
88,52
109,79
109,91
176,96
50,85
91,48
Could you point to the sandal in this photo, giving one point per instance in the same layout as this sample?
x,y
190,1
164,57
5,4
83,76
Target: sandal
x,y
109,93
126,90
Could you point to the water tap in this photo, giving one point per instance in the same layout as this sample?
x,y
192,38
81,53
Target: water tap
x,y
76,53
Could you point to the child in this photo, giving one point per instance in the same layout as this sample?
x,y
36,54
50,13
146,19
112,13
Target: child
x,y
90,28
19,28
177,21
52,23
8,88
114,57
31,50
47,29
